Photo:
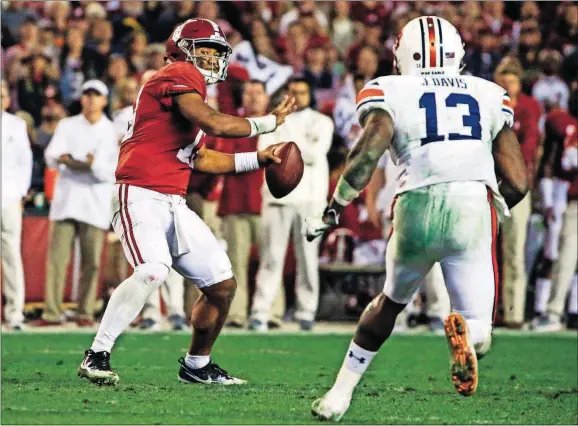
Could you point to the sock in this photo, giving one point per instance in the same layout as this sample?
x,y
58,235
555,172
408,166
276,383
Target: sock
x,y
543,286
197,361
356,362
125,303
481,335
573,296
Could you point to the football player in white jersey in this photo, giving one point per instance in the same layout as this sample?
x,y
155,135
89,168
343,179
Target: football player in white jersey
x,y
450,136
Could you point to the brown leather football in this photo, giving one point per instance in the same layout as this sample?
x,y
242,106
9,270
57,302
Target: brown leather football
x,y
282,178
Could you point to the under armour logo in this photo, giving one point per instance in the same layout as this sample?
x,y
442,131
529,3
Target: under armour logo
x,y
361,360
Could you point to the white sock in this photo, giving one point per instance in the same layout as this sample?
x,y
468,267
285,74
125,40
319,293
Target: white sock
x,y
480,334
356,362
197,361
125,303
543,286
573,296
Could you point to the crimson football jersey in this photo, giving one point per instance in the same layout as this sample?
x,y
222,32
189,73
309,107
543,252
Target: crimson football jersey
x,y
561,128
160,143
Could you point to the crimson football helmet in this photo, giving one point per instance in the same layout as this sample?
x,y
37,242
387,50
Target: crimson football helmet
x,y
186,38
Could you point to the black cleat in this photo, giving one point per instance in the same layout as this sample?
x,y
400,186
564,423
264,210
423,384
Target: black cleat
x,y
96,368
209,374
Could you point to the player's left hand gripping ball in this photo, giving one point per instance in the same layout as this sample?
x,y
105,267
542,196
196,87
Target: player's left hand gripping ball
x,y
315,226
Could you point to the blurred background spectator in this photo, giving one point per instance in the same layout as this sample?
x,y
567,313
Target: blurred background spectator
x,y
84,149
16,174
283,218
50,49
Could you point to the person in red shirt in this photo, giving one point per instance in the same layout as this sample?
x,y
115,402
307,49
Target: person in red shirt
x,y
241,214
164,141
515,229
559,191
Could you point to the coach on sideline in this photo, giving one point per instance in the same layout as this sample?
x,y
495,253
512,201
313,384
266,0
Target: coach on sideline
x,y
85,150
16,175
281,218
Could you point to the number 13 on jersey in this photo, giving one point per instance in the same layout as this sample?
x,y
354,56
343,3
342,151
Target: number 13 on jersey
x,y
470,120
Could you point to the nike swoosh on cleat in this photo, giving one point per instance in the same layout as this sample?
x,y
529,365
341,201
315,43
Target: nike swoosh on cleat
x,y
198,379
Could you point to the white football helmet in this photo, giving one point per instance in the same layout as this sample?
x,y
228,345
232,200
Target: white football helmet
x,y
429,45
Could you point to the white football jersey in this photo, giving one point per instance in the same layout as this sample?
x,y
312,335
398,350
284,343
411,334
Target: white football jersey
x,y
444,127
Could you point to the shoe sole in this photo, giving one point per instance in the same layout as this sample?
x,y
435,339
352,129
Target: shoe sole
x,y
100,381
196,382
464,363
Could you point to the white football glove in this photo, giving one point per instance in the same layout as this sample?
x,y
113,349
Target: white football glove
x,y
315,226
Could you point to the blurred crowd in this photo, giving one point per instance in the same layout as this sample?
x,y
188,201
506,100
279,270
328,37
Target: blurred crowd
x,y
57,54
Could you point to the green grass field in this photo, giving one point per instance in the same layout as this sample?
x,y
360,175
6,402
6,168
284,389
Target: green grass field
x,y
526,379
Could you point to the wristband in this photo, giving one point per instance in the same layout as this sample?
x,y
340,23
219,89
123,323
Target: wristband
x,y
546,191
260,125
246,162
344,193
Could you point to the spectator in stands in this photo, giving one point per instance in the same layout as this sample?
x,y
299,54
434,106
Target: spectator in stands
x,y
282,218
155,56
295,44
241,216
15,17
16,175
32,87
515,228
131,17
77,64
342,27
345,115
100,42
372,38
367,62
550,85
126,91
498,23
366,8
527,52
482,61
27,43
316,72
135,52
85,150
56,17
306,8
51,115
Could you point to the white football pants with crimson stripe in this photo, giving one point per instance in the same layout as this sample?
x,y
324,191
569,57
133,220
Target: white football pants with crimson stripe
x,y
456,225
160,228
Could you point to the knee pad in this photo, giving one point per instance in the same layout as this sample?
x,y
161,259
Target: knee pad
x,y
152,274
481,334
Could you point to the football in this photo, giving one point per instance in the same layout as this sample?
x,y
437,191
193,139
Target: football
x,y
282,178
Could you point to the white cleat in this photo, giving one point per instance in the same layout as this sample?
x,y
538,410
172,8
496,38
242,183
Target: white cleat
x,y
331,407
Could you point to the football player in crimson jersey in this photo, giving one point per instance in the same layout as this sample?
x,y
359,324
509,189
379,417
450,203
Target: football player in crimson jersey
x,y
163,142
558,190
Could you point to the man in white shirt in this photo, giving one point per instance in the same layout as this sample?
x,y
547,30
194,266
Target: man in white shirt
x,y
283,218
16,175
84,148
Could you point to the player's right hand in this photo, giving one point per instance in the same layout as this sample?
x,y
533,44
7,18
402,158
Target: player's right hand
x,y
267,156
286,107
